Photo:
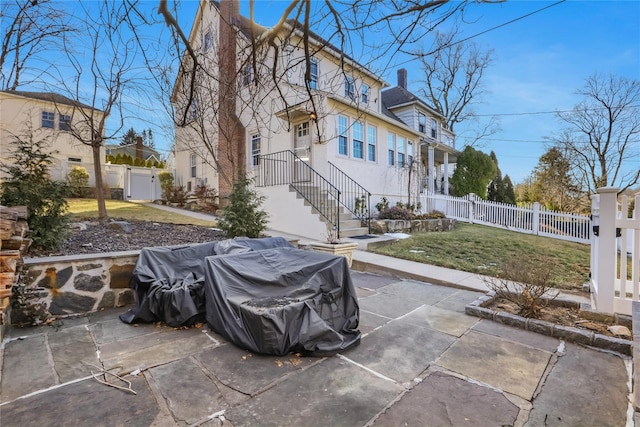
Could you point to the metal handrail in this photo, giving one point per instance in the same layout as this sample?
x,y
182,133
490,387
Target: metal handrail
x,y
285,168
355,198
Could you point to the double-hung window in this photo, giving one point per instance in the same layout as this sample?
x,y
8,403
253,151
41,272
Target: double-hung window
x,y
409,153
371,143
192,162
364,94
64,122
343,135
207,42
422,123
434,129
401,158
349,87
358,140
391,149
313,73
48,118
255,149
247,75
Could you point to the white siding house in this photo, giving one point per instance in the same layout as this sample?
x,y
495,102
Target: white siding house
x,y
338,136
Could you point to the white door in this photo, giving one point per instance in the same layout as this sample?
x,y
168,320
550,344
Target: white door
x,y
302,149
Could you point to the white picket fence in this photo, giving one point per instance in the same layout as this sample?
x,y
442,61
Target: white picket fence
x,y
534,219
615,286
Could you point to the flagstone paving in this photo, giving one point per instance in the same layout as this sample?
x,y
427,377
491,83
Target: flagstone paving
x,y
421,361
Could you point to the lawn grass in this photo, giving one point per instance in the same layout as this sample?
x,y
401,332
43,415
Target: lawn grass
x,y
480,249
84,209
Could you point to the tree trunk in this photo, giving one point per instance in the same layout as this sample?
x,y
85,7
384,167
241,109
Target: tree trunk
x,y
97,169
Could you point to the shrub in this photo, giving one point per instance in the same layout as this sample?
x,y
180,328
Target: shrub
x,y
206,197
178,195
244,216
431,215
396,212
78,180
525,284
30,185
382,204
166,184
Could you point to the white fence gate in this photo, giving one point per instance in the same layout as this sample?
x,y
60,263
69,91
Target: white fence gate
x,y
615,252
137,183
534,219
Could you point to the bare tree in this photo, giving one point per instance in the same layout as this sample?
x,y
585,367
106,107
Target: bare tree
x,y
103,67
453,74
602,138
29,28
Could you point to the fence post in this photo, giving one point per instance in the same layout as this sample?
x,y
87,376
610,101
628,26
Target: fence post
x,y
471,197
606,254
535,218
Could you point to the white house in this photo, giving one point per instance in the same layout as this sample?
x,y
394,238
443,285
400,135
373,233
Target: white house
x,y
47,117
325,140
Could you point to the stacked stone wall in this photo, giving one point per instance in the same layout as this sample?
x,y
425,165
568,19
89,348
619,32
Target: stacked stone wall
x,y
412,226
14,242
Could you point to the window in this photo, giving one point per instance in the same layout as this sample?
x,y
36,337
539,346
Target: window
x,y
193,110
313,73
47,119
255,149
371,143
303,129
409,153
400,141
349,87
391,147
247,75
422,123
343,136
364,94
434,129
358,140
74,159
207,42
65,122
192,162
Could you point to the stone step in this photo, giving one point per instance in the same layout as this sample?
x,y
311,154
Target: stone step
x,y
350,223
356,231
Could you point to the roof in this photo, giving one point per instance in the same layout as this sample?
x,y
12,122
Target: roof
x,y
130,149
53,97
399,96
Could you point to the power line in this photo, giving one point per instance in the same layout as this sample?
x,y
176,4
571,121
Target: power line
x,y
574,110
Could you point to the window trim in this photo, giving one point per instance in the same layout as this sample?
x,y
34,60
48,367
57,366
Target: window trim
x,y
256,145
50,118
357,144
343,135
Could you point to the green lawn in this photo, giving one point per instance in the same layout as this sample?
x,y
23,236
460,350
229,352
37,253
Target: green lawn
x,y
480,249
82,209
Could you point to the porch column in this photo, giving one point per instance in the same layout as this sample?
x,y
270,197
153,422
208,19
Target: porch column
x,y
446,173
431,169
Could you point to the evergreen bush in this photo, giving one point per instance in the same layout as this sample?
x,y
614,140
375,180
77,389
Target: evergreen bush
x,y
244,216
30,185
78,179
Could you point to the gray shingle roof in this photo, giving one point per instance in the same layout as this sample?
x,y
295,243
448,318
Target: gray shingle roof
x,y
50,97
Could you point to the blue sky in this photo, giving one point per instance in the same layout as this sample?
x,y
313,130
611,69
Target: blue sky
x,y
539,63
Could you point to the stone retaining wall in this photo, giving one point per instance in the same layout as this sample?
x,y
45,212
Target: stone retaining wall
x,y
412,226
64,285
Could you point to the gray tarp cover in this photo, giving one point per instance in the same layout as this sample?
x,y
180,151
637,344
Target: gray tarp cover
x,y
261,294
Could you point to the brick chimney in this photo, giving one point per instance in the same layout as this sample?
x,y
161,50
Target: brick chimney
x,y
139,153
402,78
231,132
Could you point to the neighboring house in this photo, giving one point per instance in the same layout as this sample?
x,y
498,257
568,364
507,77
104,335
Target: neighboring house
x,y
44,116
351,134
136,151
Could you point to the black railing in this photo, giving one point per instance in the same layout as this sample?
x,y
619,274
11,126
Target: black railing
x,y
355,198
285,168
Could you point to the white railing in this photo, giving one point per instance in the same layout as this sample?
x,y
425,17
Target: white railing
x,y
533,219
615,246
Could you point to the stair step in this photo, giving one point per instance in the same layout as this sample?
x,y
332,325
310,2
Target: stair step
x,y
356,231
350,223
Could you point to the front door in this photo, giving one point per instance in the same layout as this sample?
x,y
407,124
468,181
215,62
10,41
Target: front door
x,y
302,149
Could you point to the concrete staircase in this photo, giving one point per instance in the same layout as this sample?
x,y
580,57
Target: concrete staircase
x,y
349,226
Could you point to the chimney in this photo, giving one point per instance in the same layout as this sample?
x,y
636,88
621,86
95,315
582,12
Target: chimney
x,y
231,132
402,78
139,154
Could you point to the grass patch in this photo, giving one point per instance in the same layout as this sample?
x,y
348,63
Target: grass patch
x,y
480,249
85,209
